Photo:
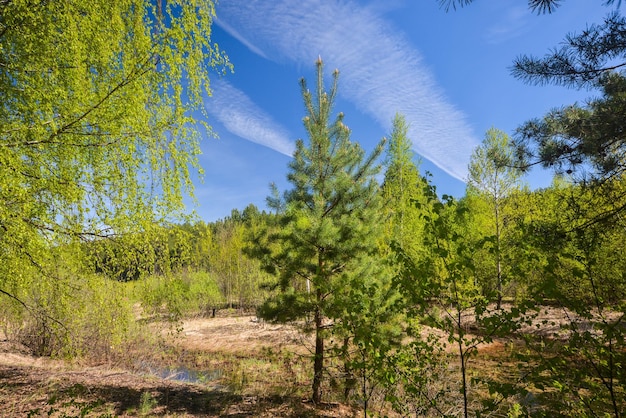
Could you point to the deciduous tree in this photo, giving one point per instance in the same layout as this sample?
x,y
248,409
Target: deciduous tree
x,y
97,135
491,173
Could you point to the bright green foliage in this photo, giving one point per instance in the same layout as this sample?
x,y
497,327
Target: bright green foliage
x,y
451,270
183,294
96,130
228,261
493,177
491,169
91,316
330,228
582,239
416,377
198,239
160,250
368,317
562,224
238,273
521,260
440,290
176,258
584,277
402,187
95,107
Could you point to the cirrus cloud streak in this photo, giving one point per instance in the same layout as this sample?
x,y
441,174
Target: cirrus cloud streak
x,y
381,72
242,117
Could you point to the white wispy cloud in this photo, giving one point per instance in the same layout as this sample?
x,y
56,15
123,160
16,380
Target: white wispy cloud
x,y
381,73
235,34
514,23
242,117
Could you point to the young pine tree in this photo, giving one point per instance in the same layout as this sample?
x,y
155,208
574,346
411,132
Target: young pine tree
x,y
329,229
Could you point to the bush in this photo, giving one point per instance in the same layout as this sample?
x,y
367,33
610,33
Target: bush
x,y
185,294
72,316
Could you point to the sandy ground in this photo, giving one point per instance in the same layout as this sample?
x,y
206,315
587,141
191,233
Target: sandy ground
x,y
42,387
239,333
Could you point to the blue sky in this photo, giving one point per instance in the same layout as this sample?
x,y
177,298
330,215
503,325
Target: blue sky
x,y
447,73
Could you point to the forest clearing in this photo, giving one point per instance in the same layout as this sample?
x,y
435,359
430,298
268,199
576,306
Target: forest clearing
x,y
229,348
358,287
232,365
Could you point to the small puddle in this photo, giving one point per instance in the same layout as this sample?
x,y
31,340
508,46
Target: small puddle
x,y
183,374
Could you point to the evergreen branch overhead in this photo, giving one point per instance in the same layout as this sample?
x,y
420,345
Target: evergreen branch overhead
x,y
537,6
582,59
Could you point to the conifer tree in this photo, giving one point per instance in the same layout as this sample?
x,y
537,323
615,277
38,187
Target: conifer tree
x,y
539,6
329,227
402,188
586,140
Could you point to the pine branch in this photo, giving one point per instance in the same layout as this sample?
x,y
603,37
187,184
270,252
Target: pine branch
x,y
582,60
538,6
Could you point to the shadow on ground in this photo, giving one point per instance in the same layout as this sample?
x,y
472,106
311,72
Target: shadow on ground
x,y
33,391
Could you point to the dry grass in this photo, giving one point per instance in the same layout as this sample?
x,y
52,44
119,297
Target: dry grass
x,y
264,375
239,334
264,372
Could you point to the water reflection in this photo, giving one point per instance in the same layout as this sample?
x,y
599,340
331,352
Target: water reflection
x,y
183,374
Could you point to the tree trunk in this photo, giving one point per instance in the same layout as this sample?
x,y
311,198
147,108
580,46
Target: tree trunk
x,y
349,379
318,365
462,357
498,256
